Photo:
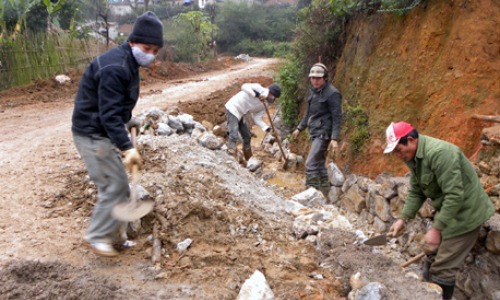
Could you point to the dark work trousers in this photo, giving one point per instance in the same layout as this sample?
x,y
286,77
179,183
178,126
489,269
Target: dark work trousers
x,y
315,163
104,164
450,255
233,126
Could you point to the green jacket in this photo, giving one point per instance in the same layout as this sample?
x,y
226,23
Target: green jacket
x,y
441,171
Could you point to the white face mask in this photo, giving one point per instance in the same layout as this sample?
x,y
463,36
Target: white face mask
x,y
143,59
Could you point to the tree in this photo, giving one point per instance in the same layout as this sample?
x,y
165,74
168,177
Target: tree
x,y
195,26
135,6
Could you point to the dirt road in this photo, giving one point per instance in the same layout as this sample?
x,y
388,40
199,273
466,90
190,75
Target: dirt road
x,y
36,145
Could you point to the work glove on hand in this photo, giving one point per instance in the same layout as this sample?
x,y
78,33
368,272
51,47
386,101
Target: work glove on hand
x,y
332,147
431,241
397,228
295,134
133,123
132,157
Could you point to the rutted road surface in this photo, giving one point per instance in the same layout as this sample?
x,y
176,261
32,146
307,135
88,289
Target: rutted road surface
x,y
36,145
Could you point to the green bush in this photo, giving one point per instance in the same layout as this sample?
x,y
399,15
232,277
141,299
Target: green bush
x,y
282,50
290,76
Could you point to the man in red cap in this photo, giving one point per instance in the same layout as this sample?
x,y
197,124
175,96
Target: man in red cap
x,y
441,172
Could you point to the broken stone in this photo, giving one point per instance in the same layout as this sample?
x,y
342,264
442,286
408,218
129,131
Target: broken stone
x,y
381,208
355,198
310,197
292,206
210,141
176,124
154,111
164,129
196,133
334,195
187,121
253,164
371,291
199,126
207,125
396,206
427,211
335,176
256,287
219,131
388,189
484,167
364,182
268,176
182,246
493,238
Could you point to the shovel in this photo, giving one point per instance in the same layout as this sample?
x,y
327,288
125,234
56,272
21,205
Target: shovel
x,y
277,139
134,209
380,240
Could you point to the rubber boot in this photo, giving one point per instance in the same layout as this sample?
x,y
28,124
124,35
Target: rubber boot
x,y
312,181
324,185
247,153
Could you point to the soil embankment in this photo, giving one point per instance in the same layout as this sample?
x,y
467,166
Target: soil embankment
x,y
433,67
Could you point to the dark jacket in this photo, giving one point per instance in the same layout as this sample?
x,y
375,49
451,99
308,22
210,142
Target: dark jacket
x,y
441,171
106,96
324,112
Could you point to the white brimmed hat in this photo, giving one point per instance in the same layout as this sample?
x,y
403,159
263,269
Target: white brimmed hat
x,y
318,70
394,133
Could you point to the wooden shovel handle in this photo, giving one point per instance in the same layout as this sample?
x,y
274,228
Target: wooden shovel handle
x,y
415,259
272,126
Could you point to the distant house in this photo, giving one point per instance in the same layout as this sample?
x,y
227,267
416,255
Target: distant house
x,y
125,29
100,28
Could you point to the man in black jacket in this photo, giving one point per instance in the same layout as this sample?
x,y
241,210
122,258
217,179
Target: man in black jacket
x,y
323,118
108,92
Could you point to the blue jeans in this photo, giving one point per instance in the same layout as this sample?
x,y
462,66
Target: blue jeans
x,y
233,126
104,164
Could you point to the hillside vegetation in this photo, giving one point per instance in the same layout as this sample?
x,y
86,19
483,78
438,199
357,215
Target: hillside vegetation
x,y
433,66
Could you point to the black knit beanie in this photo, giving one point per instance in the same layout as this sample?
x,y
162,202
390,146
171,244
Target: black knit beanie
x,y
275,90
148,29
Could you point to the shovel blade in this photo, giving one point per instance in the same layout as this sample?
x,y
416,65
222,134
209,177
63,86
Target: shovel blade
x,y
378,240
132,211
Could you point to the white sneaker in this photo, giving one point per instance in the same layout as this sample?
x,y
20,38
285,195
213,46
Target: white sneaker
x,y
102,249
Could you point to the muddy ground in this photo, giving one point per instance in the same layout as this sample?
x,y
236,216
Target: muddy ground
x,y
237,221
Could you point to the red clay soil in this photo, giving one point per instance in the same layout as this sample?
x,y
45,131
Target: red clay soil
x,y
434,68
49,90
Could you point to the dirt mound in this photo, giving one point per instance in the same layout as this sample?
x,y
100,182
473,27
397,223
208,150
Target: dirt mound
x,y
212,107
237,224
53,280
343,259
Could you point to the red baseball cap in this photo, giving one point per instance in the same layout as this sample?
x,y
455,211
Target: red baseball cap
x,y
394,133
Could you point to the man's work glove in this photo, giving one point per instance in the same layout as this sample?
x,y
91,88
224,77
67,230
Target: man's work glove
x,y
397,228
295,134
332,147
133,123
431,241
132,157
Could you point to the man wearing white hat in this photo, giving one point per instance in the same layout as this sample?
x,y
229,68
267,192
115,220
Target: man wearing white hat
x,y
441,172
323,118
